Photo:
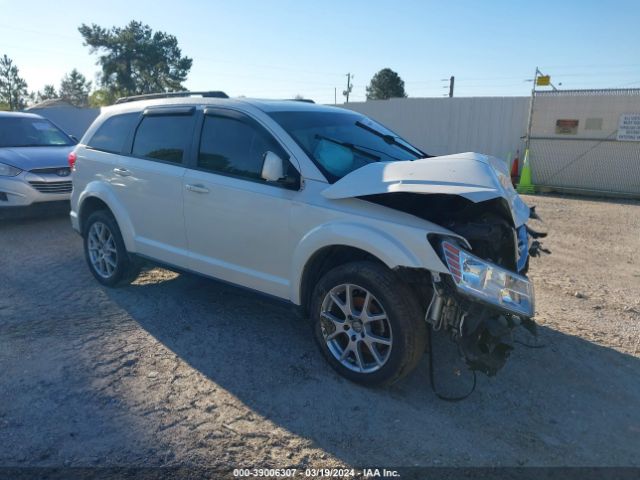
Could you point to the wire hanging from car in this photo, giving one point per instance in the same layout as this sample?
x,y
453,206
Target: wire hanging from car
x,y
432,374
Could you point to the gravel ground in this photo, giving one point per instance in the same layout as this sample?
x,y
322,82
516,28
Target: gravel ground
x,y
179,370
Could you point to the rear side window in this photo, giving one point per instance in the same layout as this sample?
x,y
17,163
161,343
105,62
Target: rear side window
x,y
233,147
113,133
163,137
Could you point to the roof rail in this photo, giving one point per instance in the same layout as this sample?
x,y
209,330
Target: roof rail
x,y
305,100
153,96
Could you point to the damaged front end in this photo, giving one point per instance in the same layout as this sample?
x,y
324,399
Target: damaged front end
x,y
486,294
479,305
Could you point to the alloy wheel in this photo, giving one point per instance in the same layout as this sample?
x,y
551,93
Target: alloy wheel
x,y
356,328
103,254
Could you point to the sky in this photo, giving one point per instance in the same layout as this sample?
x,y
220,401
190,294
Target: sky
x,y
283,48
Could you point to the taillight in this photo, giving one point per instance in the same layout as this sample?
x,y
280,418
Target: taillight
x,y
72,160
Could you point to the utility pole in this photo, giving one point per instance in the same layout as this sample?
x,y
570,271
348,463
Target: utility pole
x,y
547,82
349,87
533,98
451,81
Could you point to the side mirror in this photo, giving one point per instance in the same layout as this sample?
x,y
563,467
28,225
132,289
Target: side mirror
x,y
272,168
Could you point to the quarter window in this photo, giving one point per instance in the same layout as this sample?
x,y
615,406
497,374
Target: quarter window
x,y
233,147
112,134
163,137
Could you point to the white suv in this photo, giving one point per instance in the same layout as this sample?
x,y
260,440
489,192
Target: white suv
x,y
318,206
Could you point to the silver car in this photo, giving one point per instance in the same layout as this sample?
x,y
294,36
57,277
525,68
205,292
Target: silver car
x,y
33,160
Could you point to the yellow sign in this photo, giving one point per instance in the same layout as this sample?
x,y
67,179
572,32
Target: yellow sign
x,y
543,80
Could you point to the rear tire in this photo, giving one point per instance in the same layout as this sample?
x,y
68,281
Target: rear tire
x,y
378,336
105,253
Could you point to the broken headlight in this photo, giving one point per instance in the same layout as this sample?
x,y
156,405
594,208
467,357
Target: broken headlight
x,y
489,283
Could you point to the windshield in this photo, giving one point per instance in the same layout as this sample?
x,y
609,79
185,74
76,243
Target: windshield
x,y
31,132
341,142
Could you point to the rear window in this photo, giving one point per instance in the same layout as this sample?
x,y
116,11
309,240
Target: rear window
x,y
163,137
113,133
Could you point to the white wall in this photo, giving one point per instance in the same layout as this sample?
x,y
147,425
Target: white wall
x,y
439,126
591,160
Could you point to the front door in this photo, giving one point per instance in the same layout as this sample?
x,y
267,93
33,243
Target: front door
x,y
238,224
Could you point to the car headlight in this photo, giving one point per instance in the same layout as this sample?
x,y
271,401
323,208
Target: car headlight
x,y
488,282
8,170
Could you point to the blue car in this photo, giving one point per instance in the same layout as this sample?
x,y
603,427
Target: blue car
x,y
34,165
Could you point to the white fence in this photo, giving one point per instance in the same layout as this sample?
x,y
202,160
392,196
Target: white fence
x,y
575,144
574,137
439,126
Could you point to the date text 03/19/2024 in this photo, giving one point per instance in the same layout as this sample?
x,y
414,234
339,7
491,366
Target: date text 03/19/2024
x,y
314,472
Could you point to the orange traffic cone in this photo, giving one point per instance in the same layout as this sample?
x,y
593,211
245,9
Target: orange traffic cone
x,y
515,169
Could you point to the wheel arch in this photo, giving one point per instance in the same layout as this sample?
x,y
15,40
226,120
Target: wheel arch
x,y
87,207
329,246
96,198
324,260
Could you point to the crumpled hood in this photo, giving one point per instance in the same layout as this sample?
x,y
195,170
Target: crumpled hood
x,y
470,175
27,158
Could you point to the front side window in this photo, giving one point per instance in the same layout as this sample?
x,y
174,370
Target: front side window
x,y
31,132
341,142
163,137
113,133
233,147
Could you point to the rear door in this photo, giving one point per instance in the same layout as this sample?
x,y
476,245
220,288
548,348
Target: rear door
x,y
237,224
150,182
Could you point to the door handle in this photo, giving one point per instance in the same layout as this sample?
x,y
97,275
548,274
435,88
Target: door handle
x,y
123,172
197,188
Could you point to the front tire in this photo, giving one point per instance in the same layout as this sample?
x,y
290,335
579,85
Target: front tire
x,y
104,250
368,323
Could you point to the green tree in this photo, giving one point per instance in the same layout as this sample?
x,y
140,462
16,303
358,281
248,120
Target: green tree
x,y
13,88
386,84
135,60
101,98
48,93
74,88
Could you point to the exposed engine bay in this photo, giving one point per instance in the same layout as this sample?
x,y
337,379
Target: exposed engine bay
x,y
481,329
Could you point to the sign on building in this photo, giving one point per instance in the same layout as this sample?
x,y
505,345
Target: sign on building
x,y
567,127
629,127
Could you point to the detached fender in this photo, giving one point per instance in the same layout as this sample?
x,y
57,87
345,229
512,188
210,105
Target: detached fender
x,y
102,192
413,251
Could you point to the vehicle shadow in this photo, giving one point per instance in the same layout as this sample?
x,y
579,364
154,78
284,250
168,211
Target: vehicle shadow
x,y
570,403
37,211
